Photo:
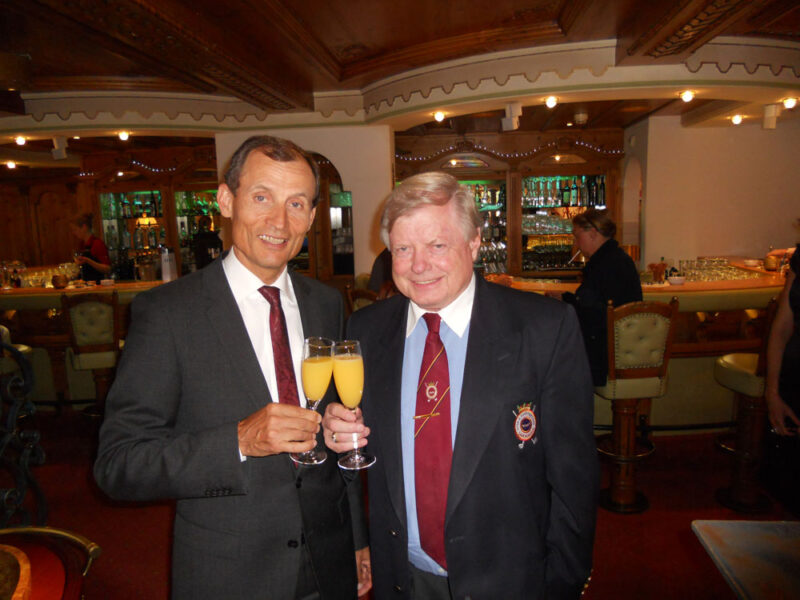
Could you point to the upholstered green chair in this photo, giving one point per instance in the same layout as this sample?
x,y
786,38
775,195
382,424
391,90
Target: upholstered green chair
x,y
745,374
95,343
639,347
8,364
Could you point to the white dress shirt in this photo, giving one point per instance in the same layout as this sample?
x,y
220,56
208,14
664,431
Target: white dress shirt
x,y
255,313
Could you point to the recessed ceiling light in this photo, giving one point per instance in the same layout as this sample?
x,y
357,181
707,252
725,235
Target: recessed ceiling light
x,y
439,116
11,164
120,173
76,137
736,119
789,103
687,96
124,135
551,101
20,139
557,157
569,124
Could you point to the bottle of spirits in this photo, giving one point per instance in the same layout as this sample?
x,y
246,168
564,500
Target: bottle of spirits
x,y
593,191
566,193
601,192
575,198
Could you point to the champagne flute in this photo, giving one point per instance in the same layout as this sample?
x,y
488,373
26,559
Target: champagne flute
x,y
348,374
316,373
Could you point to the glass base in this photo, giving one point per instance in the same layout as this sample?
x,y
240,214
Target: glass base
x,y
315,456
355,460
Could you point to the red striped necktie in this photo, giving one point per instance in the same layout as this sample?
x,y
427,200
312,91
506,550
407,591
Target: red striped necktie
x,y
281,353
433,449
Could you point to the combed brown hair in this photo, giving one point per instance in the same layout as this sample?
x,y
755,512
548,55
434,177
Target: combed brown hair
x,y
272,147
596,219
425,189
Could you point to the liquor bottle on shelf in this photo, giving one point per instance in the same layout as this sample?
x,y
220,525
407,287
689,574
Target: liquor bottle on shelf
x,y
575,197
125,237
184,235
111,236
601,192
566,192
584,192
592,191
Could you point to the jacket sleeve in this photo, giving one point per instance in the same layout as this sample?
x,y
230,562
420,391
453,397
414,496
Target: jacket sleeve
x,y
141,454
571,463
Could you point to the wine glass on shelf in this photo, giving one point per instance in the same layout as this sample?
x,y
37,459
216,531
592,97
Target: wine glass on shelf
x,y
348,374
315,371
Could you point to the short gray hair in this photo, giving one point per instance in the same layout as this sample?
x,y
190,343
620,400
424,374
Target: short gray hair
x,y
425,189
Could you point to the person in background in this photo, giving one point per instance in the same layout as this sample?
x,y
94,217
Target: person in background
x,y
206,244
381,275
609,275
782,393
479,403
205,407
92,255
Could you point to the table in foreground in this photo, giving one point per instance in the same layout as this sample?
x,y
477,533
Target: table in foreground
x,y
758,559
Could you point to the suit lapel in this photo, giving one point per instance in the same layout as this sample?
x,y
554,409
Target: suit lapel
x,y
491,348
226,322
387,382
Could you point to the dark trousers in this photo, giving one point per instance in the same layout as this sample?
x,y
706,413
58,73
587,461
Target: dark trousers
x,y
306,581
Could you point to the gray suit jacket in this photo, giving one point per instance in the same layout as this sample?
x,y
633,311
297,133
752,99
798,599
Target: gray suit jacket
x,y
520,514
187,375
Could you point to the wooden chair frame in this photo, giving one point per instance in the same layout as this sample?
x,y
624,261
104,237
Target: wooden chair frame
x,y
622,495
102,377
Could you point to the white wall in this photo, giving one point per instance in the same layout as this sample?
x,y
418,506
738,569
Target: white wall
x,y
364,157
718,191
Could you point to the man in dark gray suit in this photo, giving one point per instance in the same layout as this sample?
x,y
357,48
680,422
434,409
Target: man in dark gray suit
x,y
478,406
205,406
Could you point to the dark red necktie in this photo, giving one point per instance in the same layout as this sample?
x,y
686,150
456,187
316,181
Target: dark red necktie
x,y
433,449
281,353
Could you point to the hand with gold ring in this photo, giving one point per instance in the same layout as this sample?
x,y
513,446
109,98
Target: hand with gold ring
x,y
344,430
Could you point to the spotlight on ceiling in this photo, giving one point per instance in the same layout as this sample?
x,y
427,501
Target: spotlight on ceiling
x,y
20,139
120,174
687,96
438,116
76,137
736,119
789,103
551,101
11,164
124,135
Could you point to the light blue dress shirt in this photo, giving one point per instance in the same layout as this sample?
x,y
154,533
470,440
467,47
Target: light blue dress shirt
x,y
454,332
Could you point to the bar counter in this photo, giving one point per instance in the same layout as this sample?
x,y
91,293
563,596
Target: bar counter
x,y
715,318
38,298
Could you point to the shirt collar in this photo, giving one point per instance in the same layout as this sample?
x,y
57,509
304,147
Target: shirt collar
x,y
244,283
456,315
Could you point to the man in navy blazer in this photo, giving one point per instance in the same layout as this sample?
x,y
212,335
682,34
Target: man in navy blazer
x,y
520,502
194,413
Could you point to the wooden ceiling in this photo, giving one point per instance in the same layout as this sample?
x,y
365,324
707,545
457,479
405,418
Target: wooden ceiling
x,y
275,54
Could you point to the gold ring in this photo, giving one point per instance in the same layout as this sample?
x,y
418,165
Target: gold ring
x,y
333,437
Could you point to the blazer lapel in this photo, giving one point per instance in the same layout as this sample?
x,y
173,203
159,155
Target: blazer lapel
x,y
491,347
387,383
226,322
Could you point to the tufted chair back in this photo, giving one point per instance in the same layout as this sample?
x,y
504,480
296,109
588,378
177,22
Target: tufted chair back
x,y
639,347
94,329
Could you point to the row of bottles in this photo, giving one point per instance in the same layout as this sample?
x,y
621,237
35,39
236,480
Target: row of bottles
x,y
559,190
188,203
131,205
143,236
548,252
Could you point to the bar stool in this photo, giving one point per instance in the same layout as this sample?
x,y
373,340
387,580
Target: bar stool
x,y
744,373
94,340
639,347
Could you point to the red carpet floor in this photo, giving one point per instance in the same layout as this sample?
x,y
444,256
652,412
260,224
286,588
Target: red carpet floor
x,y
649,556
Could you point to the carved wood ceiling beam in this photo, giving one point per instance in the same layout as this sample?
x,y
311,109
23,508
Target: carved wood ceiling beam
x,y
170,41
672,35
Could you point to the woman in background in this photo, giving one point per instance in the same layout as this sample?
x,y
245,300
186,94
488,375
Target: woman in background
x,y
783,392
609,274
92,256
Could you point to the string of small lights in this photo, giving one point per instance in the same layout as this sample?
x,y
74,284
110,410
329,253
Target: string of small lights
x,y
135,163
528,154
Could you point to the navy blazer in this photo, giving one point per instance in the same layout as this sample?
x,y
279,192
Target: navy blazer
x,y
522,494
